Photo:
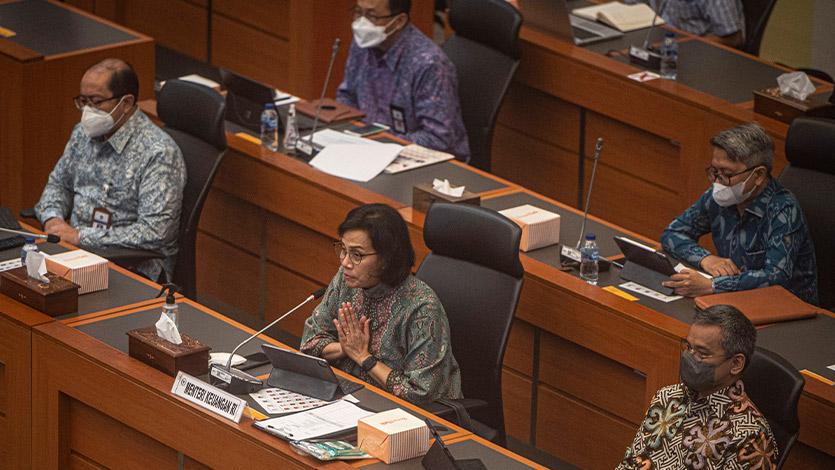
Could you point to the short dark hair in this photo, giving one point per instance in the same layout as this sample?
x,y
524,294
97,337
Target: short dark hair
x,y
738,333
397,7
123,80
389,237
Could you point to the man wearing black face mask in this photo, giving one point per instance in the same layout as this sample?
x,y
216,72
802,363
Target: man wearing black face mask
x,y
120,181
707,421
757,225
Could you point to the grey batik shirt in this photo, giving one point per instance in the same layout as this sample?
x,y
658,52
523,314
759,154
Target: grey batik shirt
x,y
138,174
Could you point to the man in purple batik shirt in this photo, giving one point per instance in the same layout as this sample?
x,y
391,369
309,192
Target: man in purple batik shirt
x,y
398,77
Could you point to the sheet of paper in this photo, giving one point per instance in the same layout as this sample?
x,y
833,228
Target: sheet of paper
x,y
646,291
680,267
354,161
327,137
278,401
643,76
336,417
200,80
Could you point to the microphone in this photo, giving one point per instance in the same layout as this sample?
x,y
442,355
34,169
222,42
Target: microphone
x,y
574,253
308,148
237,381
646,56
49,237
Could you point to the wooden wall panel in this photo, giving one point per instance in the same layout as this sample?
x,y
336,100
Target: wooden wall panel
x,y
228,275
517,396
250,52
232,220
535,113
15,394
519,354
563,427
300,249
539,166
284,291
560,363
272,17
177,24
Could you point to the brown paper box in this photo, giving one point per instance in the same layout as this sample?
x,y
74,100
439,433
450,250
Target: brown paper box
x,y
393,436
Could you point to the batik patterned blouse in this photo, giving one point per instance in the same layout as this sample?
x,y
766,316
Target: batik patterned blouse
x,y
409,333
724,430
138,174
415,76
770,242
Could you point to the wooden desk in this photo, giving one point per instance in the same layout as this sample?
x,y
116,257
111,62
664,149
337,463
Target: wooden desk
x,y
657,133
16,324
582,364
40,72
98,407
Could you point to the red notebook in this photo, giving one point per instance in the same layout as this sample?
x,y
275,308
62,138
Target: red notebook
x,y
765,305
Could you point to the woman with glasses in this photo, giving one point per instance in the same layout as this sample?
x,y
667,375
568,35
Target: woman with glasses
x,y
377,321
758,228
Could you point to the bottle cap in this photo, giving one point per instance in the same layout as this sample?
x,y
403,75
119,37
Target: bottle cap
x,y
171,289
590,236
669,34
29,239
269,105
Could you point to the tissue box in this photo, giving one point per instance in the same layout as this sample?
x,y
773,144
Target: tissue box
x,y
87,270
190,356
59,297
540,228
423,196
769,102
393,436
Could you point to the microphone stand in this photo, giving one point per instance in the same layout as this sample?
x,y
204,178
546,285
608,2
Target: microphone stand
x,y
646,56
308,148
574,253
49,237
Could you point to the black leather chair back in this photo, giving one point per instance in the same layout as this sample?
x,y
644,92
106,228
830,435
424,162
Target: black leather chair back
x,y
485,51
774,385
193,117
810,175
474,269
756,14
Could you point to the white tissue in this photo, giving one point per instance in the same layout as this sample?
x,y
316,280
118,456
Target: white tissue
x,y
167,330
36,266
796,85
443,187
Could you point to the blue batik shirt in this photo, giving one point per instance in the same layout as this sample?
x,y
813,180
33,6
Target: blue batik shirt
x,y
414,76
701,17
769,242
138,174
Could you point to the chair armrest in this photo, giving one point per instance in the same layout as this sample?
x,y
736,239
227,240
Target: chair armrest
x,y
129,256
447,409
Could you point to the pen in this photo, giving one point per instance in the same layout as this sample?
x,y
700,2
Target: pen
x,y
281,431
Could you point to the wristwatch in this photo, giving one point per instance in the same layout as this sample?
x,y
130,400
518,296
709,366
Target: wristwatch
x,y
368,364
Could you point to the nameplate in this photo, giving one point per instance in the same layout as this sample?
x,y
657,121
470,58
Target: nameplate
x,y
570,253
206,396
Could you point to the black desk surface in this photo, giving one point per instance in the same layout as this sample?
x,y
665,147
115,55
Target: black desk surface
x,y
50,29
466,449
122,290
807,344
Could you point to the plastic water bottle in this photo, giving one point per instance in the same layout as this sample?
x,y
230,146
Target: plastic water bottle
x,y
669,57
588,260
291,135
269,127
28,247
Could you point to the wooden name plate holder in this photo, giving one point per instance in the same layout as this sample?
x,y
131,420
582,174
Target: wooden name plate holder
x,y
58,297
190,356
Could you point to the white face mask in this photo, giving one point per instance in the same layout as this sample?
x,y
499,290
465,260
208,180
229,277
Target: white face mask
x,y
96,122
727,196
367,34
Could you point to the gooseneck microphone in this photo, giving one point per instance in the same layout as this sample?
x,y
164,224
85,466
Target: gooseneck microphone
x,y
238,381
646,56
48,237
308,148
574,253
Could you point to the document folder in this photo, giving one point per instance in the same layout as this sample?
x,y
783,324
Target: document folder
x,y
765,305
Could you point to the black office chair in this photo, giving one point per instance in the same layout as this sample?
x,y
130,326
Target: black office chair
x,y
756,14
478,283
810,176
193,117
485,51
775,386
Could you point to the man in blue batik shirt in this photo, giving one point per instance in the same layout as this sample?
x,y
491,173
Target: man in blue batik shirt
x,y
757,225
120,180
398,77
720,19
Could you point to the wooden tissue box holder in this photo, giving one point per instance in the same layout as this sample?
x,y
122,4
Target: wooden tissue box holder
x,y
59,297
423,196
190,356
769,102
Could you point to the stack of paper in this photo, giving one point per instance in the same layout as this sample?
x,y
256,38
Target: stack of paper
x,y
357,162
318,422
622,17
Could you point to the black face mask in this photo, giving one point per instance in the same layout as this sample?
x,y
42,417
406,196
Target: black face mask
x,y
698,376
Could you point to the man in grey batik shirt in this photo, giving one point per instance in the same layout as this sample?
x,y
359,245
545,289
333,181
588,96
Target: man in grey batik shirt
x,y
120,180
